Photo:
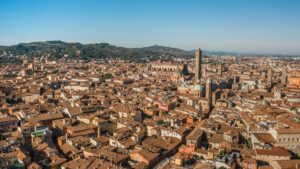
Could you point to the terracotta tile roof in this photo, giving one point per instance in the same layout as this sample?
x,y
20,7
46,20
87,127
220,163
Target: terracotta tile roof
x,y
46,117
288,164
66,148
166,144
196,132
147,155
8,119
111,155
265,167
275,151
288,130
34,165
216,138
56,160
249,160
264,137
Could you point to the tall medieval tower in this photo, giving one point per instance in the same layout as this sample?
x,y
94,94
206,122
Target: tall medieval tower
x,y
198,58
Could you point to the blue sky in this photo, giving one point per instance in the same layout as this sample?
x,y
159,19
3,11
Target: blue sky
x,y
256,26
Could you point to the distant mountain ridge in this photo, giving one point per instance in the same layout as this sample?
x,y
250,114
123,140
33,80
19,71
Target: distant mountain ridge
x,y
59,49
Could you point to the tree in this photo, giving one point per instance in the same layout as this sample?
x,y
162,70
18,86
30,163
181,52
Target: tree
x,y
160,122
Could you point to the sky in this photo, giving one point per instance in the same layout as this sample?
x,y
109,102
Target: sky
x,y
255,26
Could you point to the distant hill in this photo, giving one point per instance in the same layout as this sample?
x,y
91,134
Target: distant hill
x,y
162,50
59,49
